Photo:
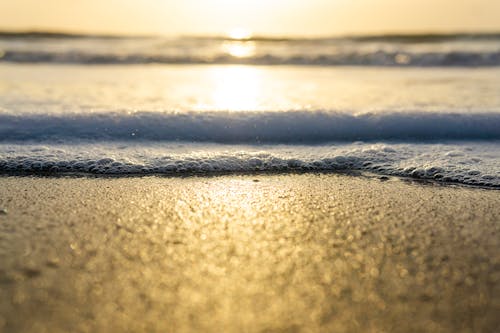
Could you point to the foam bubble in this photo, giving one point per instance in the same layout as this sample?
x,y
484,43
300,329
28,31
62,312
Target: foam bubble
x,y
477,163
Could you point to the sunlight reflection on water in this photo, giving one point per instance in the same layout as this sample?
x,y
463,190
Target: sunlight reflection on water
x,y
239,49
236,88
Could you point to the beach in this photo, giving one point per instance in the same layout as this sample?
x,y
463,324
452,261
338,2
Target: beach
x,y
313,252
249,182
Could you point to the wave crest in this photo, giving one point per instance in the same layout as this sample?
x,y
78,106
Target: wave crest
x,y
251,127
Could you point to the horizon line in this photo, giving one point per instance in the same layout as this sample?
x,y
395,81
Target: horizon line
x,y
66,33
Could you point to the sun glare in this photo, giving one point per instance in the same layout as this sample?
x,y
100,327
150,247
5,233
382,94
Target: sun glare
x,y
239,45
239,34
237,88
239,49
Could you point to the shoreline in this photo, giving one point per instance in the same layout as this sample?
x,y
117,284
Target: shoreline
x,y
213,174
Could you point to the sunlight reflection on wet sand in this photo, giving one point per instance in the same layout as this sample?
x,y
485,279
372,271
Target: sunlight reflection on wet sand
x,y
308,253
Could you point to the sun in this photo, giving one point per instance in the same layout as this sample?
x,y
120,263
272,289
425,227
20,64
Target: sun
x,y
239,44
239,34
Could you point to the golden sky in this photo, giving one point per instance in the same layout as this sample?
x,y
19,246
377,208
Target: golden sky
x,y
263,17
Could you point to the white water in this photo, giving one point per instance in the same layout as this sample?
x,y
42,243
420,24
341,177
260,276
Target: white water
x,y
463,162
427,123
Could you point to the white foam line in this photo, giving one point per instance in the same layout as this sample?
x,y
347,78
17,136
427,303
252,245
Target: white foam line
x,y
472,163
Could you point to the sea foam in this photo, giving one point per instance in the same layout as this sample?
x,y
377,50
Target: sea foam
x,y
464,162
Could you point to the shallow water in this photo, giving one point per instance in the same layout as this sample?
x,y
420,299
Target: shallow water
x,y
61,114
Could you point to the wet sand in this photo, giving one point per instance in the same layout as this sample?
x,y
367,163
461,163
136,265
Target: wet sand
x,y
276,253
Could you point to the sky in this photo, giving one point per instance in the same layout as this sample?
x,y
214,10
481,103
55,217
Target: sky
x,y
261,17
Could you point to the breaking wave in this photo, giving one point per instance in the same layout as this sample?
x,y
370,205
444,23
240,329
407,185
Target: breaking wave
x,y
292,127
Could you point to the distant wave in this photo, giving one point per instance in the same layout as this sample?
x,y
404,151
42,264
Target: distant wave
x,y
419,50
52,34
251,127
375,58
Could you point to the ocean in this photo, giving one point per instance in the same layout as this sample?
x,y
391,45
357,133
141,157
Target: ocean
x,y
417,106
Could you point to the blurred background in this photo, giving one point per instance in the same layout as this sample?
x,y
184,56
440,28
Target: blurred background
x,y
261,17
